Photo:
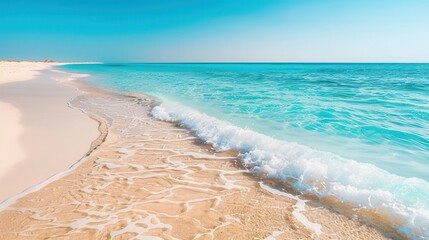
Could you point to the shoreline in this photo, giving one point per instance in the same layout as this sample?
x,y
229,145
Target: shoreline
x,y
363,216
329,223
273,185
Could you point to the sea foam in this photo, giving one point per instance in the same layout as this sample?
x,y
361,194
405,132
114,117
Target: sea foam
x,y
71,76
403,200
76,76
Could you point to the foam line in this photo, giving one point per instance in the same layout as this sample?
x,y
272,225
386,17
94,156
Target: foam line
x,y
321,173
298,208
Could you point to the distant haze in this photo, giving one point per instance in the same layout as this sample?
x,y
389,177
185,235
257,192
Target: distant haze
x,y
215,30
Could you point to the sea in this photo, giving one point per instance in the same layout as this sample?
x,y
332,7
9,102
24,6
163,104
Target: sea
x,y
358,132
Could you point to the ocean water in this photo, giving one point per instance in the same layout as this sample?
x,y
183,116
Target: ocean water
x,y
359,132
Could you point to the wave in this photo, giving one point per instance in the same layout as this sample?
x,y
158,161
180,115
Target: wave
x,y
75,76
404,201
71,76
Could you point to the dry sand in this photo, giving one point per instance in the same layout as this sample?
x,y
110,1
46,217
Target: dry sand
x,y
40,135
20,71
154,180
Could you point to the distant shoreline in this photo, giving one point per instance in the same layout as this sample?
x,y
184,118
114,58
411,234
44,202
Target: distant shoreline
x,y
204,62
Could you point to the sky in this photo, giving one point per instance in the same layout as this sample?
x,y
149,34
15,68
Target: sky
x,y
215,30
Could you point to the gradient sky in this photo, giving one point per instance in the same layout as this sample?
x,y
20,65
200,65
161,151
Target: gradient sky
x,y
215,30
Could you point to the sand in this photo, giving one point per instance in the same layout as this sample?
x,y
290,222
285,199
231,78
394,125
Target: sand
x,y
11,152
40,135
148,179
20,71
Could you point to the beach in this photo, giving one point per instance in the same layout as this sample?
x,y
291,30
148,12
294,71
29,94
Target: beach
x,y
123,174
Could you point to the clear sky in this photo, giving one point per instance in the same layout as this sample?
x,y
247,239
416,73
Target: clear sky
x,y
215,30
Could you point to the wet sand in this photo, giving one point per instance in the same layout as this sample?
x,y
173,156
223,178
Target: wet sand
x,y
148,179
40,134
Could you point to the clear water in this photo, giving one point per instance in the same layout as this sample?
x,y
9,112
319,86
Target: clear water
x,y
358,113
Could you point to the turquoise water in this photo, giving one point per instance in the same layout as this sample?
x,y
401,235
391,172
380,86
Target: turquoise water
x,y
363,127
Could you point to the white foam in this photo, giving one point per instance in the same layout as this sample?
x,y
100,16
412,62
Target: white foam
x,y
298,208
274,235
76,76
71,76
320,173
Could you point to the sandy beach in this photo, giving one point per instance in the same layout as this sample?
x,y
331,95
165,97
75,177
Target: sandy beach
x,y
143,179
41,134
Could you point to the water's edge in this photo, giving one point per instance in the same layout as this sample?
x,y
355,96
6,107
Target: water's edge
x,y
269,183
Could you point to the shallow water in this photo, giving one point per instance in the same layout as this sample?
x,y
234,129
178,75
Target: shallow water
x,y
358,131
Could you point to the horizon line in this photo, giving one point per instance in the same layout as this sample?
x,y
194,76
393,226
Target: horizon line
x,y
208,62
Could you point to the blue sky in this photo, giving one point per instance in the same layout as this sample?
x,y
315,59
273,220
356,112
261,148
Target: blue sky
x,y
215,30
